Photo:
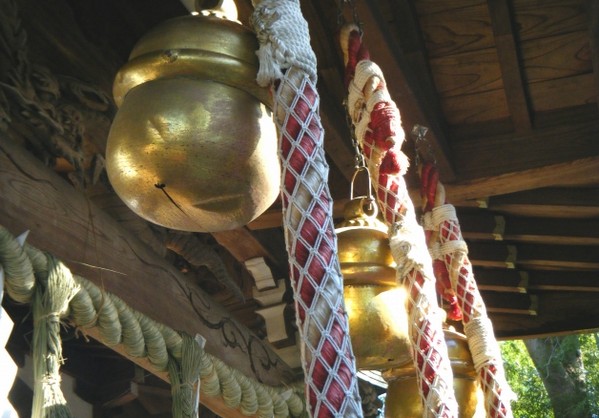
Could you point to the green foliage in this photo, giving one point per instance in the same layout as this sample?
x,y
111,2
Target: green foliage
x,y
589,347
521,374
524,379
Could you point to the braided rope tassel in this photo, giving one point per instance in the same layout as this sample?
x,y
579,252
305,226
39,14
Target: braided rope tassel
x,y
327,358
377,126
449,247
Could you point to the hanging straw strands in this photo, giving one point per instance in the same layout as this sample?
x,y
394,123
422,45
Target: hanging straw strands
x,y
50,301
33,276
377,123
327,358
449,249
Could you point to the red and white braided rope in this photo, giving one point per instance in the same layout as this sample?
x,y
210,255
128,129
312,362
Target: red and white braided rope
x,y
377,127
327,358
449,248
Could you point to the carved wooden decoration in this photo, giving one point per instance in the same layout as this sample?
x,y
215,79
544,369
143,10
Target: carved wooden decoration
x,y
49,111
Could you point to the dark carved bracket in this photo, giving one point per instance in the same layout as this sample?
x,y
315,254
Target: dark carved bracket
x,y
64,121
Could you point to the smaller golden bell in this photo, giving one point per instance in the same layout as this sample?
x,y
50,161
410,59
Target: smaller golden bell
x,y
378,321
375,305
193,145
403,398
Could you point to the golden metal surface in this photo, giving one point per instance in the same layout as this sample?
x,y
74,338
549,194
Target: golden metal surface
x,y
193,145
363,246
203,47
378,326
403,399
375,305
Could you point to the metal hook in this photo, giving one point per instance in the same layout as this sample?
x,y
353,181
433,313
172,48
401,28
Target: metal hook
x,y
369,197
341,4
418,133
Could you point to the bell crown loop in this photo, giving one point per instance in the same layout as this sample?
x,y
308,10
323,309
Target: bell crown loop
x,y
360,169
361,212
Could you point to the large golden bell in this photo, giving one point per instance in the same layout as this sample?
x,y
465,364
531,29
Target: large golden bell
x,y
375,304
403,399
193,145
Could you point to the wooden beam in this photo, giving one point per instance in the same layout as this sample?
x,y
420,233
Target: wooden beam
x,y
520,281
549,203
563,281
215,404
547,257
511,303
482,225
485,254
509,62
403,84
545,231
501,280
489,156
534,256
510,193
558,313
93,245
584,171
241,244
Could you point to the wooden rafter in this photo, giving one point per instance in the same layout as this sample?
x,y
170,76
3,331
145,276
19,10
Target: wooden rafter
x,y
520,281
556,313
510,64
549,202
534,256
488,156
584,171
514,304
501,280
483,225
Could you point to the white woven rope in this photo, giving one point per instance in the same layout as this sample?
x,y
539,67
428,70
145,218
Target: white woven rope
x,y
327,358
322,314
409,249
483,351
443,213
477,326
284,40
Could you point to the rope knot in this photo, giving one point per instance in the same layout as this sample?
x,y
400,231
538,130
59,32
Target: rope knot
x,y
51,379
284,40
